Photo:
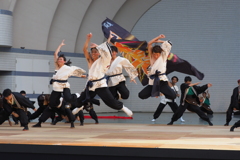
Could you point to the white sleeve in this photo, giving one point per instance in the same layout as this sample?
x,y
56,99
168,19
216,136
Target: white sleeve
x,y
166,47
130,69
77,71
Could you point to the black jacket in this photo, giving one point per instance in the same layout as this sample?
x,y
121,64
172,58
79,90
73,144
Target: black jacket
x,y
197,90
23,101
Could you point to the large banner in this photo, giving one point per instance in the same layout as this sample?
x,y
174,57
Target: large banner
x,y
136,52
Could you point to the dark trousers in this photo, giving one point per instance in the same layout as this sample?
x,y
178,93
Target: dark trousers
x,y
161,106
55,96
23,118
48,112
105,95
92,113
38,112
164,88
181,109
229,113
210,112
120,88
3,117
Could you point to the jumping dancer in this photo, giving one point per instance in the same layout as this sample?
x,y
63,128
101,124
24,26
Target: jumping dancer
x,y
98,63
158,81
115,78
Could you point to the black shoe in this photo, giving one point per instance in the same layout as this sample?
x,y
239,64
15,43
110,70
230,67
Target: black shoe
x,y
25,128
226,124
54,122
210,123
81,124
170,123
72,125
96,122
232,128
37,125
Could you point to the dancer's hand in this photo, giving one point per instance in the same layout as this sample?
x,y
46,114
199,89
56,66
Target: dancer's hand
x,y
35,109
83,76
133,80
89,36
62,44
15,114
162,36
209,85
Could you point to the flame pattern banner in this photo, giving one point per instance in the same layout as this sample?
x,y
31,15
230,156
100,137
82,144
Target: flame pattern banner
x,y
136,52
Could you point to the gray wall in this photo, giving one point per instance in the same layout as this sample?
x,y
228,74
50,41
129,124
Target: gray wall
x,y
204,32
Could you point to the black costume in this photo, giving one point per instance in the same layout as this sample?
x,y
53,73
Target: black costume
x,y
19,106
235,103
189,100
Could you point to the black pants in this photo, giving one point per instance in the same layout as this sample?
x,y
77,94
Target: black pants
x,y
120,88
210,112
164,88
181,109
92,113
3,117
23,118
229,113
38,112
105,95
48,112
161,106
55,96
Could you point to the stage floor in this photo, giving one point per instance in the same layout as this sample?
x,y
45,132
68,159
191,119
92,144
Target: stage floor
x,y
192,134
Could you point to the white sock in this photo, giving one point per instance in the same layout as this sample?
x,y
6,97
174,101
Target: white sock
x,y
127,111
182,119
60,104
76,110
153,120
77,94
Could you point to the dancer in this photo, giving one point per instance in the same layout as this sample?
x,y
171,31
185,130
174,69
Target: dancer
x,y
98,63
43,103
158,81
205,103
59,80
115,78
171,102
189,99
62,112
16,104
16,119
234,104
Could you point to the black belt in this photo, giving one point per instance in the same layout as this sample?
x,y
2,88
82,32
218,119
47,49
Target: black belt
x,y
156,83
108,77
59,81
89,85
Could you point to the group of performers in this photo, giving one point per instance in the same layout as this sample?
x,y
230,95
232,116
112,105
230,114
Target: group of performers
x,y
105,79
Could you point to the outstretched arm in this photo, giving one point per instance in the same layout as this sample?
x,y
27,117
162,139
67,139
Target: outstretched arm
x,y
85,48
57,51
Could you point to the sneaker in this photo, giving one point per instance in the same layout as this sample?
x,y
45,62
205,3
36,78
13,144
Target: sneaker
x,y
76,110
153,120
127,111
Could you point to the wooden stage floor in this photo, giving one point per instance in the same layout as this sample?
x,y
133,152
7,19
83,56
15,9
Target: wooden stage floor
x,y
177,136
